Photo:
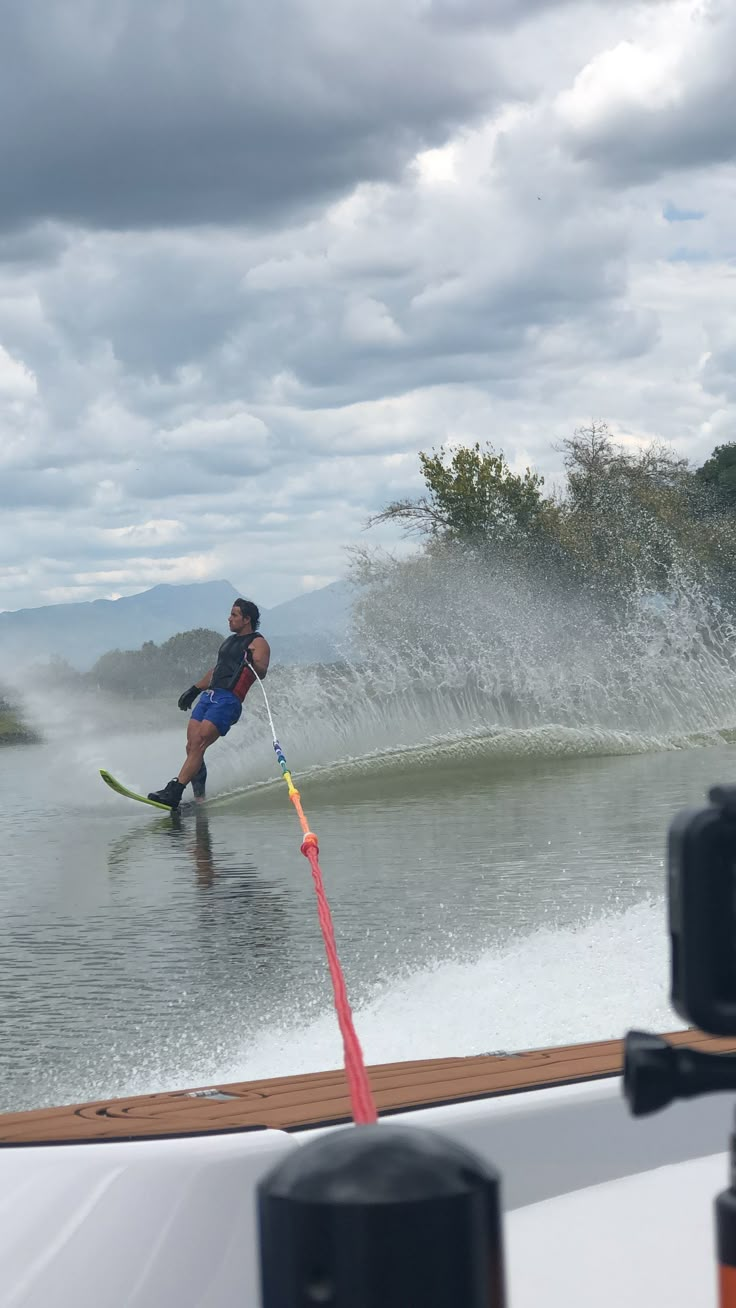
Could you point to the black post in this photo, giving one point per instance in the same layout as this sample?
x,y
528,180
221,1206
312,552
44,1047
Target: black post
x,y
726,1236
381,1217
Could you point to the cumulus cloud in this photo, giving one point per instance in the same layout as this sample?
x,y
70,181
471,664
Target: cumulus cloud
x,y
16,381
121,113
252,260
642,108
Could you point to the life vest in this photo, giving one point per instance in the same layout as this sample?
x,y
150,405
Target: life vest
x,y
231,670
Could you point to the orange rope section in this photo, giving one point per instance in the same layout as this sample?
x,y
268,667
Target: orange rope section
x,y
361,1097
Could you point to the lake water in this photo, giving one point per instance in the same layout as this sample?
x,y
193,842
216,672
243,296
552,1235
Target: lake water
x,y
492,887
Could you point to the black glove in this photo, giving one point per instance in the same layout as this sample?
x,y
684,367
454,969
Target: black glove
x,y
187,699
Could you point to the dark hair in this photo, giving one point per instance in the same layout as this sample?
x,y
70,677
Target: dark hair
x,y
249,610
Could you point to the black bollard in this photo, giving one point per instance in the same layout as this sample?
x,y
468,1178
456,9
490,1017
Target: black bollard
x,y
381,1217
726,1236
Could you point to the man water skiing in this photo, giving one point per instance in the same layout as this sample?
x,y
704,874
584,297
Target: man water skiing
x,y
222,692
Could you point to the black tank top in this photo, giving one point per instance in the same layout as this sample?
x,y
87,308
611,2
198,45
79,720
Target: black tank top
x,y
231,670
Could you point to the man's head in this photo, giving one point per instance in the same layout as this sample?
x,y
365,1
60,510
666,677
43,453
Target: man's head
x,y
244,617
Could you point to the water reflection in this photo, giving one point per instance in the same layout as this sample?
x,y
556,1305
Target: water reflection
x,y
200,846
147,978
232,897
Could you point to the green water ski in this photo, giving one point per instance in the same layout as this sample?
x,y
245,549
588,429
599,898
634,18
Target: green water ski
x,y
131,794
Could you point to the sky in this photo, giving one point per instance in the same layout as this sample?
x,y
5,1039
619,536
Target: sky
x,y
253,258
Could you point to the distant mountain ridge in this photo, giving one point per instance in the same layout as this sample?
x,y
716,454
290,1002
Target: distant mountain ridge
x,y
310,628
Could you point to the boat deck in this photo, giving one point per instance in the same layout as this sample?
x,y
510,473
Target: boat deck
x,y
293,1103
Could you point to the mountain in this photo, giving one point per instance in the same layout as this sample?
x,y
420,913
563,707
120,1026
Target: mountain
x,y
312,628
307,629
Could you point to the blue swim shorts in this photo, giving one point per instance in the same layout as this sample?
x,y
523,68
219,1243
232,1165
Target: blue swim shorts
x,y
220,707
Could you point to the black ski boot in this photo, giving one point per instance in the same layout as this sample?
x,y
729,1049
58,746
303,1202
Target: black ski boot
x,y
170,795
199,782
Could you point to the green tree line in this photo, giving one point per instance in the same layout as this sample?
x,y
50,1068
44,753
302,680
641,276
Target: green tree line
x,y
157,669
154,670
14,730
625,521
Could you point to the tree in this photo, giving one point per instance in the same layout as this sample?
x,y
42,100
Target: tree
x,y
473,497
718,475
156,669
625,519
628,520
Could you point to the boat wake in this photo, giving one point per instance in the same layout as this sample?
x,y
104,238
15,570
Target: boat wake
x,y
552,987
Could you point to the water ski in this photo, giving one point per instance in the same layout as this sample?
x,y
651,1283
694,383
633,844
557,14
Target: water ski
x,y
118,786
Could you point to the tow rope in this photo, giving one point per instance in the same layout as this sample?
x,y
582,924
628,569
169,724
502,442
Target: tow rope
x,y
361,1097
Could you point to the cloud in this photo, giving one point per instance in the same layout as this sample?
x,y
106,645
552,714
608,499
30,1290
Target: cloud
x,y
252,261
666,102
16,380
675,215
125,114
229,443
478,13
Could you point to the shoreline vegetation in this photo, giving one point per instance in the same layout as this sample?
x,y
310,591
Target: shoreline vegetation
x,y
13,730
151,672
628,520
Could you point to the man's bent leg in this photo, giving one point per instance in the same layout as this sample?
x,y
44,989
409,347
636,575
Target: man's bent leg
x,y
200,735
